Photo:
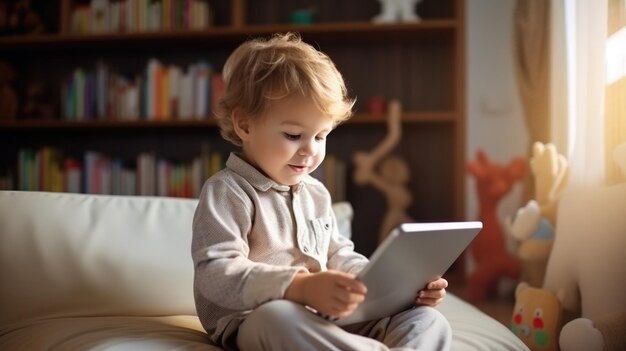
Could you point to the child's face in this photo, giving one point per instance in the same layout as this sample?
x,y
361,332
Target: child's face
x,y
289,141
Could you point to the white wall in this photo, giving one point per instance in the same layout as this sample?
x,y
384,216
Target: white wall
x,y
494,114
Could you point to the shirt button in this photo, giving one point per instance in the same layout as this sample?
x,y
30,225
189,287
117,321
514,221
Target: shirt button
x,y
306,249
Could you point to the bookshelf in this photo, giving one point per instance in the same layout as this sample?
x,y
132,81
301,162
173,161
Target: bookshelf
x,y
422,64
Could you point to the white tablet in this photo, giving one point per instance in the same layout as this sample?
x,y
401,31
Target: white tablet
x,y
411,256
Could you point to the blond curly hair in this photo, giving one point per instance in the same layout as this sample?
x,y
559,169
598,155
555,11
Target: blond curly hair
x,y
261,72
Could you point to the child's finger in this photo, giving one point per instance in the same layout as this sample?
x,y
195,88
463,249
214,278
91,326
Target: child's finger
x,y
353,285
348,296
438,284
428,301
433,294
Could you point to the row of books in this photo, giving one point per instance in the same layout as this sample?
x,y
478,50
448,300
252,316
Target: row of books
x,y
47,169
118,16
162,92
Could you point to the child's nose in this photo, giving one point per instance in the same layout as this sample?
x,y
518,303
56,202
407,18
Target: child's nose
x,y
308,148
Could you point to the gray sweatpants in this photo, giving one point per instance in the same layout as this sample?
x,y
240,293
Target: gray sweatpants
x,y
284,325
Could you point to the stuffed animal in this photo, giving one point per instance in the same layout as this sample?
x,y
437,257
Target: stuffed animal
x,y
492,258
22,19
533,225
537,317
588,263
397,10
36,102
8,97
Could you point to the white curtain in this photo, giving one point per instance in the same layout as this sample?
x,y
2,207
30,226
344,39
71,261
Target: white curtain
x,y
558,78
578,61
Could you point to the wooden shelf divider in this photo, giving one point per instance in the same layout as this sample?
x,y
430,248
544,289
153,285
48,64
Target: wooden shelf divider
x,y
358,118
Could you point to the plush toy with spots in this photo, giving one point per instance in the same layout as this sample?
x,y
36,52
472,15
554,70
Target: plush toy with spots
x,y
536,318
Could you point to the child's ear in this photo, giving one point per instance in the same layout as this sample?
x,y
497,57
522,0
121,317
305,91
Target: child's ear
x,y
241,123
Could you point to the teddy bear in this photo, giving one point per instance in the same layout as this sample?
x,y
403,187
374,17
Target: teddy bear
x,y
36,102
489,250
537,317
397,10
587,265
533,224
22,19
8,97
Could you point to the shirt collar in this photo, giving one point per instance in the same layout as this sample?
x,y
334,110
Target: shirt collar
x,y
258,180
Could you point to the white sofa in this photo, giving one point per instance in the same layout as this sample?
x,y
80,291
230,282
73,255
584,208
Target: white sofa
x,y
91,272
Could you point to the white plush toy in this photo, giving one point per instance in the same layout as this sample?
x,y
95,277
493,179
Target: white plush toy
x,y
533,225
588,265
397,11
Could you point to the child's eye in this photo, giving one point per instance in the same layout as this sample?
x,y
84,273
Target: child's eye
x,y
292,136
320,138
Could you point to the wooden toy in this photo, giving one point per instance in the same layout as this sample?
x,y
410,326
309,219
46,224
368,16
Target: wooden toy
x,y
392,174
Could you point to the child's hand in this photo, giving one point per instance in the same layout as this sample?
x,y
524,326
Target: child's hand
x,y
331,293
433,294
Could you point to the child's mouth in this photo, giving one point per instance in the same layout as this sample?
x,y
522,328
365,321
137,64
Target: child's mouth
x,y
297,169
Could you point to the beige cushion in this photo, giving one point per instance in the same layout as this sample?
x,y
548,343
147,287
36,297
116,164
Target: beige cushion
x,y
68,255
474,330
109,333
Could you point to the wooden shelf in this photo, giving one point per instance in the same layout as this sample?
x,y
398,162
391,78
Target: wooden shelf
x,y
407,117
364,31
421,64
53,124
60,124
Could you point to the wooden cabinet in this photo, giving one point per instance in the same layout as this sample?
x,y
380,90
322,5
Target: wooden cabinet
x,y
422,64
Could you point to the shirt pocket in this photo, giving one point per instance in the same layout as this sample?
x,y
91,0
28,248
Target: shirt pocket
x,y
322,229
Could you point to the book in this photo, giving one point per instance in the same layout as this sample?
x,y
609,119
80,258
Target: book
x,y
99,16
72,175
217,90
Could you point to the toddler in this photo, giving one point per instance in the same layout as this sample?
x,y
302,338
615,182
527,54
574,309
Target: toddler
x,y
266,248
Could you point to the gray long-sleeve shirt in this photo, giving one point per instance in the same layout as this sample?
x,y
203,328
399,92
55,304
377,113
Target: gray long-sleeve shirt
x,y
251,236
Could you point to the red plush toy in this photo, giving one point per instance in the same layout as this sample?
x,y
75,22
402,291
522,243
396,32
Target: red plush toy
x,y
493,261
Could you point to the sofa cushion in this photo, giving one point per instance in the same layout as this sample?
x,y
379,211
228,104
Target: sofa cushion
x,y
109,333
72,255
474,330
